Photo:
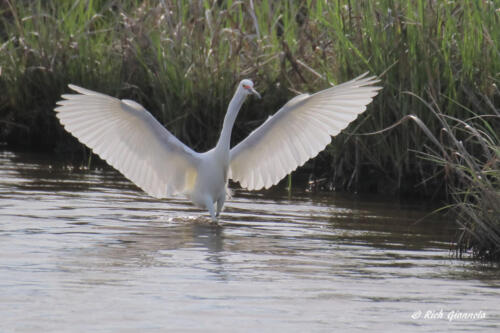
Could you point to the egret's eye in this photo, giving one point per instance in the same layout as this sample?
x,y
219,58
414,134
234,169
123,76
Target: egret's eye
x,y
246,86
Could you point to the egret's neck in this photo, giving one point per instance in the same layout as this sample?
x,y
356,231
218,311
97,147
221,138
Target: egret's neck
x,y
234,107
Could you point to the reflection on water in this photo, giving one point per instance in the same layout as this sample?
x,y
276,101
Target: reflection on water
x,y
86,251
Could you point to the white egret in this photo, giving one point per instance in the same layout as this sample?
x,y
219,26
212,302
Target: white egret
x,y
130,139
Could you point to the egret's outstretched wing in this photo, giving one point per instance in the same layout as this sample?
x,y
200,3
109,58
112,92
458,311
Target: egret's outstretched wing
x,y
297,132
130,139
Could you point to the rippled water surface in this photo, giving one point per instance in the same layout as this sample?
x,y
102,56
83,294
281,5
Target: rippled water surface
x,y
88,252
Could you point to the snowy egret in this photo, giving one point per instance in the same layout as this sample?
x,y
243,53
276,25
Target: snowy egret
x,y
131,140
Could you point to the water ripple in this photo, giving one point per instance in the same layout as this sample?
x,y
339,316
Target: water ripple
x,y
87,251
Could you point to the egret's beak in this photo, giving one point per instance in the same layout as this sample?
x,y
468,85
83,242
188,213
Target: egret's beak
x,y
255,93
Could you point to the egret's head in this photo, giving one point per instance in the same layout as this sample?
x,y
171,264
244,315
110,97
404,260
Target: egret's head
x,y
247,86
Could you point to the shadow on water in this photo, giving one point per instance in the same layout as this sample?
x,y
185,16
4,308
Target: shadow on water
x,y
76,242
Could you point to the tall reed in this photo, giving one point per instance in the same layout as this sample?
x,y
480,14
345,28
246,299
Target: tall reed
x,y
468,153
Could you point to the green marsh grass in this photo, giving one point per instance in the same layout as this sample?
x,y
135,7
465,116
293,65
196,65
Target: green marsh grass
x,y
182,60
467,152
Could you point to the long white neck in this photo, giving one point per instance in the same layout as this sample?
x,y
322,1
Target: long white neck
x,y
234,107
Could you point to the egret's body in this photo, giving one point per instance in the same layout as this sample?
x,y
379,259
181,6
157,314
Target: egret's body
x,y
127,136
211,181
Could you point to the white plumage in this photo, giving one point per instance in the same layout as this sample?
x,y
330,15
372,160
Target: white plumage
x,y
127,136
297,132
131,140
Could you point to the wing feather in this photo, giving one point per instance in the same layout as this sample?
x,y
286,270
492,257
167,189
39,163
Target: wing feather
x,y
297,132
130,139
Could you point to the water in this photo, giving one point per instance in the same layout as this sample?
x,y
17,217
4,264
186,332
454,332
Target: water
x,y
88,252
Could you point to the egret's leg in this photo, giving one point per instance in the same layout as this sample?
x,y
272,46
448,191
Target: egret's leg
x,y
220,204
209,205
